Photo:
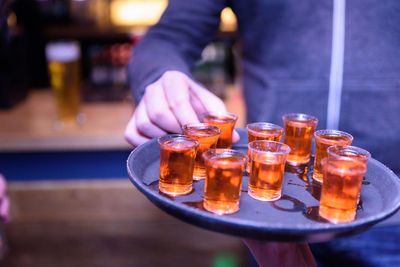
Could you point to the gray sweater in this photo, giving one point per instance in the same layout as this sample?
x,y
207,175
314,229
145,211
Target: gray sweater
x,y
286,51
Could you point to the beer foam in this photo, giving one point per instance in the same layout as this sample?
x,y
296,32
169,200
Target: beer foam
x,y
63,51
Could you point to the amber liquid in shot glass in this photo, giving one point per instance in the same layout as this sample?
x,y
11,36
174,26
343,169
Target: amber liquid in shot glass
x,y
343,175
225,122
223,183
262,131
299,129
323,140
177,155
207,135
267,169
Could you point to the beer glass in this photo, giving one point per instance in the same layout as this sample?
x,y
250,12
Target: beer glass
x,y
207,135
343,169
225,122
64,73
324,139
224,180
177,154
267,166
299,129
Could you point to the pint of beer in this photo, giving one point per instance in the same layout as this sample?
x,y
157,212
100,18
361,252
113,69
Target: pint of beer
x,y
64,73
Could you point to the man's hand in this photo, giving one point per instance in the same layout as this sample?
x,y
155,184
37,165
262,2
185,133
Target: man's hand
x,y
281,254
4,202
167,104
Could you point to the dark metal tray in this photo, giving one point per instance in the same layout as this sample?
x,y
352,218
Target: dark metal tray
x,y
292,218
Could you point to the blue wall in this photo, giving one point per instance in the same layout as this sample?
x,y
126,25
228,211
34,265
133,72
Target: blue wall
x,y
63,165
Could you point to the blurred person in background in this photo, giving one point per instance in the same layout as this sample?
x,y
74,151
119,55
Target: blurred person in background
x,y
4,201
5,89
336,60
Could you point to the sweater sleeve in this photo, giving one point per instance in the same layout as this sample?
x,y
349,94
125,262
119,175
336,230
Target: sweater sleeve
x,y
175,42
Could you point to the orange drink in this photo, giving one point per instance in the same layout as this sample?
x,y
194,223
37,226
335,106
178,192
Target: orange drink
x,y
266,169
299,129
262,131
177,155
225,122
323,140
224,180
343,169
207,135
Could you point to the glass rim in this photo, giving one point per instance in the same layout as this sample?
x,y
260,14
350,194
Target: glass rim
x,y
333,151
208,154
285,151
167,137
307,117
201,124
268,125
221,114
362,168
319,134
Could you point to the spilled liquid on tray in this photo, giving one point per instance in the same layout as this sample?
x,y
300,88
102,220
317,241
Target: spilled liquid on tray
x,y
365,182
297,205
311,213
291,183
360,205
303,172
195,204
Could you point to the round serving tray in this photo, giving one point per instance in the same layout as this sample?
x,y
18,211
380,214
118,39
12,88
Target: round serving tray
x,y
292,218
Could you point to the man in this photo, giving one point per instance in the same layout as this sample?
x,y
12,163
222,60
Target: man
x,y
336,60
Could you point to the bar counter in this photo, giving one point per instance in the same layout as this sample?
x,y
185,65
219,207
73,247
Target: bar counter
x,y
29,126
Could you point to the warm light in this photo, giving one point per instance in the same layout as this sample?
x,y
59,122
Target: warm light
x,y
12,20
228,20
136,12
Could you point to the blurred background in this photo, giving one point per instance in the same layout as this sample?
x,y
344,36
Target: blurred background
x,y
71,201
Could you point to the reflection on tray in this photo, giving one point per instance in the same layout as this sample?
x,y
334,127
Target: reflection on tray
x,y
305,181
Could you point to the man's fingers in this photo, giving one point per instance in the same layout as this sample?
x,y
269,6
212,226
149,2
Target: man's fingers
x,y
5,209
3,186
143,123
206,99
4,201
235,137
132,135
158,110
176,90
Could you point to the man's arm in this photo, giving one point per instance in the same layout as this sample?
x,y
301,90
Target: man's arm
x,y
281,254
175,43
166,96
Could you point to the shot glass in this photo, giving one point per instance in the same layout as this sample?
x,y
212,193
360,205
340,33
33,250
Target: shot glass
x,y
177,156
225,122
207,135
262,131
267,168
223,183
343,169
323,140
299,129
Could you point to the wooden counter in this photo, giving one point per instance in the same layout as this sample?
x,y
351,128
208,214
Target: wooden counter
x,y
30,126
